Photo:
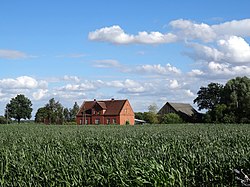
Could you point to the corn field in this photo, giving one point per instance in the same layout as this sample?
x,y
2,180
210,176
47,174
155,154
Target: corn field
x,y
149,155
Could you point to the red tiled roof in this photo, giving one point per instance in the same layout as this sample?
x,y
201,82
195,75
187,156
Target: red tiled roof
x,y
112,107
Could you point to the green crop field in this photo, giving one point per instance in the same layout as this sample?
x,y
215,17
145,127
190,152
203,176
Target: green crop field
x,y
149,155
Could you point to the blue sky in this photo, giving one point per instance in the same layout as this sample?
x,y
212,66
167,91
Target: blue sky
x,y
145,51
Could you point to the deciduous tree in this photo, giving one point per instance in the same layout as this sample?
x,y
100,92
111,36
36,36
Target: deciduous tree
x,y
19,108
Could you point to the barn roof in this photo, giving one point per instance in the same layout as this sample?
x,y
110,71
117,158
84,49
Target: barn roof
x,y
184,108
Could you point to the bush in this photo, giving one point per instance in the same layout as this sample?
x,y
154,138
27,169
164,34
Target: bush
x,y
171,118
3,120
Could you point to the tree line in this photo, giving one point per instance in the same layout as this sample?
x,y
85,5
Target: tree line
x,y
20,107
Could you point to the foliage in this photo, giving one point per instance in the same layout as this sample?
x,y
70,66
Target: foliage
x,y
73,112
41,115
19,108
226,104
3,120
151,117
171,118
70,114
152,155
139,115
52,113
237,97
209,96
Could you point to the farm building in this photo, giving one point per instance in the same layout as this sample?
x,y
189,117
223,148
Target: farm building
x,y
105,112
184,110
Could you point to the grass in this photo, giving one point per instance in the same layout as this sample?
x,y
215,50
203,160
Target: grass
x,y
149,155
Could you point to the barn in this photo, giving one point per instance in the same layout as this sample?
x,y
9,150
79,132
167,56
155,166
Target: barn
x,y
105,112
184,110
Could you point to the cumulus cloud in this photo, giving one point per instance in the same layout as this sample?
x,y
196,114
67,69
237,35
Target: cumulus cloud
x,y
82,86
158,69
236,50
204,53
39,94
12,54
227,69
196,72
189,93
115,34
236,27
174,84
190,30
23,82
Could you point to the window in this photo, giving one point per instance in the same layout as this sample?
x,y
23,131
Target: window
x,y
114,121
97,121
108,121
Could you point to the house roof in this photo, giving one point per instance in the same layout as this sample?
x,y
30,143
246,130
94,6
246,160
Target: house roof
x,y
112,107
102,104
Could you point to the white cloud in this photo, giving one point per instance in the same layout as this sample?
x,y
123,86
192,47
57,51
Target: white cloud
x,y
235,27
12,54
115,34
196,72
23,82
204,53
174,84
108,63
39,94
158,69
84,86
235,49
189,93
154,38
190,30
227,69
71,78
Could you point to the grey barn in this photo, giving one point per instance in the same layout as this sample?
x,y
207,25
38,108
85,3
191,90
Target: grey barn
x,y
184,110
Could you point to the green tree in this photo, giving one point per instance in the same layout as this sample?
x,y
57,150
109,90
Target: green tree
x,y
236,96
55,112
151,117
66,115
209,96
41,115
139,115
19,108
73,112
171,118
51,113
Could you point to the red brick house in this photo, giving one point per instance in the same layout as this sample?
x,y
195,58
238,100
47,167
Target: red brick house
x,y
105,112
